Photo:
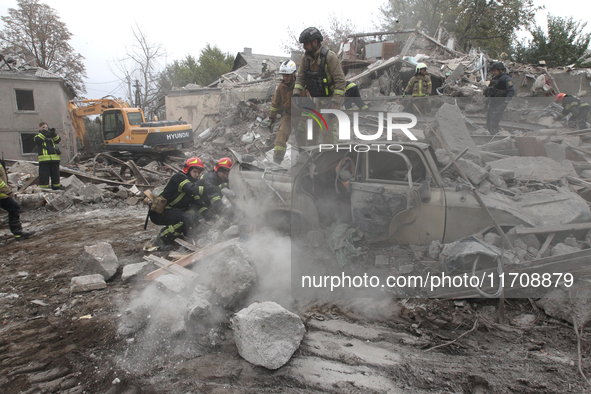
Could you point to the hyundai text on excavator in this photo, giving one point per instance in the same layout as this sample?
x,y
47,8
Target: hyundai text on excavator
x,y
124,129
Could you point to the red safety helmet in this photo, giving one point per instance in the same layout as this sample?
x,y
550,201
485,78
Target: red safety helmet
x,y
224,162
193,162
559,97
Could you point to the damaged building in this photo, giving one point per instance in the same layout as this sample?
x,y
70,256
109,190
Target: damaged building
x,y
30,95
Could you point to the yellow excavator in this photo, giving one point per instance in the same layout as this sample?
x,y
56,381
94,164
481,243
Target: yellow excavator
x,y
124,129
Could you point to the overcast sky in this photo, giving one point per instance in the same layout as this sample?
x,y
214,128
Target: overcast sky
x,y
101,31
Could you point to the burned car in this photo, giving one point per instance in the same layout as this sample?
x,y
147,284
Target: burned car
x,y
397,196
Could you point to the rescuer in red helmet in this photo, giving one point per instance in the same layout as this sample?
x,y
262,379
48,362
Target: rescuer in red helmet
x,y
172,207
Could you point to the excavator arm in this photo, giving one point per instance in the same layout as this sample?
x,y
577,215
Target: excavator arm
x,y
80,108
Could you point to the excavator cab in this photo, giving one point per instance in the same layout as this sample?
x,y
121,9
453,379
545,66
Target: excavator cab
x,y
113,124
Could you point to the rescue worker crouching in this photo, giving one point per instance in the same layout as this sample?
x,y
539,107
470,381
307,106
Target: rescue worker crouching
x,y
499,91
321,74
219,175
420,85
182,194
576,106
282,100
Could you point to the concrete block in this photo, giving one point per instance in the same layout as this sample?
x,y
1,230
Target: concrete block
x,y
493,239
60,203
81,284
473,171
132,271
556,152
267,334
382,261
72,183
497,180
90,193
561,248
503,173
98,259
453,131
170,282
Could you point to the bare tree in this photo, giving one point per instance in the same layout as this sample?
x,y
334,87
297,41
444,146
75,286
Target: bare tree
x,y
334,34
35,29
140,70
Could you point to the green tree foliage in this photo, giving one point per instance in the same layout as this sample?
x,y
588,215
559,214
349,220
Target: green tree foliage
x,y
212,64
334,34
487,24
563,44
35,29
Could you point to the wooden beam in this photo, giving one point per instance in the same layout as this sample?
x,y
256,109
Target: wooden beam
x,y
194,257
136,172
97,179
169,266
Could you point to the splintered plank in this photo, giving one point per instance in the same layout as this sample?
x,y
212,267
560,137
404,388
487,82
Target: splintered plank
x,y
169,266
190,259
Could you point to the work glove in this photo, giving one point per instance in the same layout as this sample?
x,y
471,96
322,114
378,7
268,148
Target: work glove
x,y
403,94
268,123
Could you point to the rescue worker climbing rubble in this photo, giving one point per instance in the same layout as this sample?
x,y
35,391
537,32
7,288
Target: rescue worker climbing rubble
x,y
575,106
176,206
321,74
282,100
499,91
420,85
9,204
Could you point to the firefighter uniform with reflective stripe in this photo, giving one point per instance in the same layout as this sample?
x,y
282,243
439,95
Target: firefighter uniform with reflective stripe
x,y
578,108
354,95
49,158
420,84
282,99
211,177
184,194
322,76
10,204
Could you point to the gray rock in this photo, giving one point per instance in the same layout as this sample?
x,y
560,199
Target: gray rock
x,y
493,239
131,271
505,174
90,193
473,171
382,261
497,180
170,282
231,232
564,304
267,334
199,309
561,248
535,168
60,203
572,241
81,284
520,244
72,183
555,151
98,259
435,247
232,279
406,269
484,187
133,320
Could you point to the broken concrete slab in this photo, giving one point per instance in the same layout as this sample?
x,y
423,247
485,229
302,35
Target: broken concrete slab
x,y
556,152
90,193
497,180
534,168
382,261
23,167
435,247
98,259
231,232
171,283
231,281
84,283
453,131
506,174
72,183
199,309
473,171
59,203
133,271
565,303
562,248
267,334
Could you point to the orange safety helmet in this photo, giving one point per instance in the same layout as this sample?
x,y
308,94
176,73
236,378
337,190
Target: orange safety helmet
x,y
224,162
193,162
559,97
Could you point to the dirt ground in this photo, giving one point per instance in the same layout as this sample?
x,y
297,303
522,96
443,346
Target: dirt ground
x,y
55,342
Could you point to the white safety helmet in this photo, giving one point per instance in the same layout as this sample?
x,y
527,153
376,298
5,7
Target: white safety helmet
x,y
287,67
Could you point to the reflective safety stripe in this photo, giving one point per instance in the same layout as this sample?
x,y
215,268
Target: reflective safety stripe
x,y
279,148
172,229
201,189
338,92
176,200
182,184
202,209
349,86
2,184
216,198
274,109
298,86
2,195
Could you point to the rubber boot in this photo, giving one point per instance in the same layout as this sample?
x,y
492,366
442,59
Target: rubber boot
x,y
21,236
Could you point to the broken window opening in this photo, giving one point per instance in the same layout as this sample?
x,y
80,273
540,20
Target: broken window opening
x,y
24,100
28,145
391,167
